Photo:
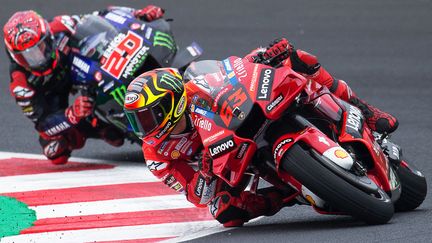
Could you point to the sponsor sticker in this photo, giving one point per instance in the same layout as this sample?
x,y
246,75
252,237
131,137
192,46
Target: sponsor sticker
x,y
341,154
98,76
323,140
274,103
135,26
175,154
199,186
203,124
279,146
164,130
265,84
164,40
181,106
116,18
254,78
227,65
81,64
131,98
222,147
354,123
240,69
242,150
213,137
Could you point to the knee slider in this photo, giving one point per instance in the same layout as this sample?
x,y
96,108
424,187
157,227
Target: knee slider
x,y
53,149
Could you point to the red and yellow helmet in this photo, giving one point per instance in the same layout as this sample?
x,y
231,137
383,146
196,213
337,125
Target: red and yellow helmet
x,y
154,103
30,43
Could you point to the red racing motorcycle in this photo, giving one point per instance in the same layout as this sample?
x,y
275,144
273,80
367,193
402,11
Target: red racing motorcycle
x,y
258,122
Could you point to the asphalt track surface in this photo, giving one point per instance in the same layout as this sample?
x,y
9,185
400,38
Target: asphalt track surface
x,y
382,48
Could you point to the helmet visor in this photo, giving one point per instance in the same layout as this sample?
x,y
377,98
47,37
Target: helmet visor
x,y
145,121
38,56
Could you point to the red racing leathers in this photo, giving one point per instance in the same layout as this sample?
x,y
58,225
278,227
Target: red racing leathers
x,y
170,159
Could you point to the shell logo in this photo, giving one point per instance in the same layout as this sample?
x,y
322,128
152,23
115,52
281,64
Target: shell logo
x,y
310,199
341,154
175,154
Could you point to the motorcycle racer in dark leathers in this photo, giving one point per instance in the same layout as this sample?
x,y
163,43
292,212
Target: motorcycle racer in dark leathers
x,y
40,80
157,104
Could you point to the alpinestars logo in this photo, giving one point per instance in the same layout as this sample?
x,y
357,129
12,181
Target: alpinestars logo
x,y
164,40
52,149
155,166
265,84
214,206
222,147
22,92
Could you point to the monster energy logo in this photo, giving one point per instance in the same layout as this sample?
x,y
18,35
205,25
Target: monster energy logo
x,y
171,81
119,94
163,39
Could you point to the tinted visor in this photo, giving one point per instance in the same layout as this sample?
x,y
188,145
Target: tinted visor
x,y
38,56
145,121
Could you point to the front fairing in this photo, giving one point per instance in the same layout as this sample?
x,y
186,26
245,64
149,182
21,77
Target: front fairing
x,y
229,98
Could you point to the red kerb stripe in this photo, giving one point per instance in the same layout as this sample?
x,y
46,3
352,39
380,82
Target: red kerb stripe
x,y
119,219
92,193
21,166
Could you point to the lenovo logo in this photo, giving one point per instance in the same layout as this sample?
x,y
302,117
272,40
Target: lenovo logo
x,y
222,147
265,84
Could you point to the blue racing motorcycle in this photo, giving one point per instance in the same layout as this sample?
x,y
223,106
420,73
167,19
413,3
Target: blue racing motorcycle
x,y
109,51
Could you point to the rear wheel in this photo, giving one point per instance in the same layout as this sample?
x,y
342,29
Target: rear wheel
x,y
373,208
414,189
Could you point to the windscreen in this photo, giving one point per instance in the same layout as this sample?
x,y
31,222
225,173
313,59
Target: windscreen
x,y
208,75
93,34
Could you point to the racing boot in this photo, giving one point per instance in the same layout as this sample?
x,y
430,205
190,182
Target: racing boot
x,y
234,211
377,120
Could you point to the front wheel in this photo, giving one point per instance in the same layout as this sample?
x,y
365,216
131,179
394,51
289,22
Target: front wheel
x,y
375,208
414,189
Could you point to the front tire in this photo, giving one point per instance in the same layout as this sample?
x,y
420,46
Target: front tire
x,y
414,189
373,209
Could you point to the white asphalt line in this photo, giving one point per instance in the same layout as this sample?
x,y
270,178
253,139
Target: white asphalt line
x,y
112,206
118,233
60,180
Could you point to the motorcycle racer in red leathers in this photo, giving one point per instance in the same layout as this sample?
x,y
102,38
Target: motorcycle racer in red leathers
x,y
40,80
156,105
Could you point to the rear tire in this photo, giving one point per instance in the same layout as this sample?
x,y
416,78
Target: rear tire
x,y
335,190
414,189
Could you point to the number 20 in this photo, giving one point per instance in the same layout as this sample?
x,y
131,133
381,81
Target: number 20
x,y
126,49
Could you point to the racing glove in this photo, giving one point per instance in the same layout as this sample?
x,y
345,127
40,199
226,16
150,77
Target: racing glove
x,y
63,23
81,108
149,13
277,52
